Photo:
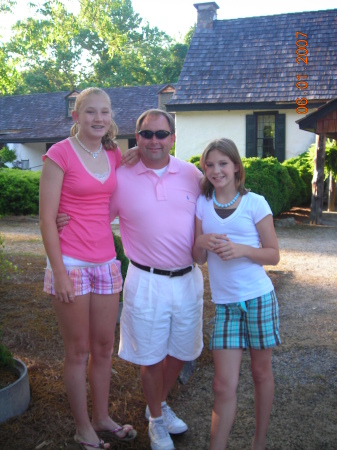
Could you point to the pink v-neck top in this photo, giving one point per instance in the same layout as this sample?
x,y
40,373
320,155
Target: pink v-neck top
x,y
86,199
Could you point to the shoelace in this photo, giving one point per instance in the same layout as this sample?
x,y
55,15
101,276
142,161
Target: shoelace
x,y
159,430
169,414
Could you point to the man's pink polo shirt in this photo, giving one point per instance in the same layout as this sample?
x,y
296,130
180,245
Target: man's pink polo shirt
x,y
156,214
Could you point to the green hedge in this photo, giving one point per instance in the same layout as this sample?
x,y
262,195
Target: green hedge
x,y
19,192
283,185
269,178
303,164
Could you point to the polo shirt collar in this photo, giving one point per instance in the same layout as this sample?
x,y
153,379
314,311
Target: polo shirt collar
x,y
173,166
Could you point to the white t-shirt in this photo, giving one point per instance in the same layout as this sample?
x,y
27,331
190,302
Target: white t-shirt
x,y
239,279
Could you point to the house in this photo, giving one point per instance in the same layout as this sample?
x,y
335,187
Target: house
x,y
251,79
30,124
247,79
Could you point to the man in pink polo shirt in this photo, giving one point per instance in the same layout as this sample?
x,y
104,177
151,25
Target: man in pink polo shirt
x,y
161,323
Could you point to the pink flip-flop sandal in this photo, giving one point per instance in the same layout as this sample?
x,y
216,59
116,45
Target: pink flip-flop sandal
x,y
108,434
101,444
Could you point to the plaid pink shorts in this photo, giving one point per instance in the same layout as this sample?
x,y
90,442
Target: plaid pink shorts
x,y
103,279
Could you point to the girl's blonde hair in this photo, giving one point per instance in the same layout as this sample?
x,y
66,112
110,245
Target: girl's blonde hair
x,y
108,140
228,148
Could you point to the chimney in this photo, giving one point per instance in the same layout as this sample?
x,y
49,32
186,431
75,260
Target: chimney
x,y
206,14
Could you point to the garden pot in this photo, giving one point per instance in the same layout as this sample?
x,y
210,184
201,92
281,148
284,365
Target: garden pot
x,y
15,398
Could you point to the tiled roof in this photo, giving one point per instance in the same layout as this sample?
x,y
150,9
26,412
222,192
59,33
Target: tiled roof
x,y
42,117
253,60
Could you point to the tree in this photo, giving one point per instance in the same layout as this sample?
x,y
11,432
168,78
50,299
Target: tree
x,y
45,50
123,51
7,5
8,74
172,68
106,44
6,156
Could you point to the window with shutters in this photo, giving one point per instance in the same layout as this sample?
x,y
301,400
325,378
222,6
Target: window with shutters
x,y
70,102
71,105
265,135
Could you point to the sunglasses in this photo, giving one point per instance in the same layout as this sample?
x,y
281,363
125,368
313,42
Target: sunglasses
x,y
148,134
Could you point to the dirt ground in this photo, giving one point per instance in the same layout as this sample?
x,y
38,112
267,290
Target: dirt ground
x,y
304,415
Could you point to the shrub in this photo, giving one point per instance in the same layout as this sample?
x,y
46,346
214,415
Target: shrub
x,y
121,255
331,158
19,192
196,161
305,168
269,178
6,156
298,194
5,266
6,357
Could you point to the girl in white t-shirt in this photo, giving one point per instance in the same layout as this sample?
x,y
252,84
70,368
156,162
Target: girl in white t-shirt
x,y
234,233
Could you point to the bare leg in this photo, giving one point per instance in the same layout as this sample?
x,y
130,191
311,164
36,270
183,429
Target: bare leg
x,y
157,380
226,377
264,394
73,320
103,317
172,369
152,382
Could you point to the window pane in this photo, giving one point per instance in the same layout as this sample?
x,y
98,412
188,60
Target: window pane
x,y
265,135
71,106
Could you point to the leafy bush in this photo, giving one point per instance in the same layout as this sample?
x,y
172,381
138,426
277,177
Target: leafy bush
x,y
6,358
305,167
6,156
19,192
269,178
331,158
196,161
282,188
121,255
299,194
5,266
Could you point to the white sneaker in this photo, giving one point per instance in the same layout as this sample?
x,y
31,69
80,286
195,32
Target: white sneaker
x,y
159,436
173,423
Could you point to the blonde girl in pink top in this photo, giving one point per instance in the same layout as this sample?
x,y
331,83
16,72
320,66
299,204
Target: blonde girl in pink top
x,y
82,275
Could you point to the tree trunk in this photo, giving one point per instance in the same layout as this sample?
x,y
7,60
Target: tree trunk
x,y
316,206
332,193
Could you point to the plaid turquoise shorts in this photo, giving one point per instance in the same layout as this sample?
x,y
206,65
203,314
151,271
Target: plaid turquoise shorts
x,y
256,328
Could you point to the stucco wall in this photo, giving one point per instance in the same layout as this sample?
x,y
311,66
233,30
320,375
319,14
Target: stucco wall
x,y
123,144
194,130
32,151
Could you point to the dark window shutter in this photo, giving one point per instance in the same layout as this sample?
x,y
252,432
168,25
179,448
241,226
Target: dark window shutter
x,y
280,136
251,136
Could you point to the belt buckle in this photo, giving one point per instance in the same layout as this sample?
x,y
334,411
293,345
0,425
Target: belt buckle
x,y
171,274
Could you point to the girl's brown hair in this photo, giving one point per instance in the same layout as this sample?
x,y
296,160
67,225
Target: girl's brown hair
x,y
108,140
228,148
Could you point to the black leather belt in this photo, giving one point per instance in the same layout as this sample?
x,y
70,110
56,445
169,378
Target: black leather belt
x,y
169,273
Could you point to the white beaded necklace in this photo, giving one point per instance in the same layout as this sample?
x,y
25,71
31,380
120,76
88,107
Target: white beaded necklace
x,y
93,154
